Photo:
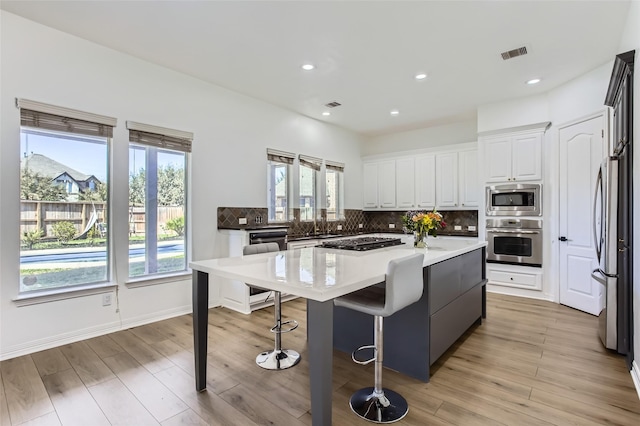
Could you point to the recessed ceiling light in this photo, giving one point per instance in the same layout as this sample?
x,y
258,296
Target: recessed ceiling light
x,y
308,67
394,112
534,81
326,113
421,76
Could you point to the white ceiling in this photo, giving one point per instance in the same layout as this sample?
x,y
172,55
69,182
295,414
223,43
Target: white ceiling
x,y
366,52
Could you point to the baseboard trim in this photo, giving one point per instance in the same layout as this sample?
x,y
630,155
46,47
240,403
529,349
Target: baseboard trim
x,y
635,376
91,332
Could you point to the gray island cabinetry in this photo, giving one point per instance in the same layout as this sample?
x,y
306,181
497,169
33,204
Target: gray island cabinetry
x,y
453,300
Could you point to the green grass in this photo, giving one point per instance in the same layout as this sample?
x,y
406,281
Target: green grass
x,y
96,242
66,277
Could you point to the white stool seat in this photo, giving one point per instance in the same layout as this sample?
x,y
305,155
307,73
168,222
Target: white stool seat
x,y
278,358
403,286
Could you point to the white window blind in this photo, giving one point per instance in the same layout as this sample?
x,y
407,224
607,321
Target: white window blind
x,y
160,137
280,156
51,117
334,165
311,162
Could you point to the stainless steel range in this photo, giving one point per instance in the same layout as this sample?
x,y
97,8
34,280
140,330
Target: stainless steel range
x,y
361,243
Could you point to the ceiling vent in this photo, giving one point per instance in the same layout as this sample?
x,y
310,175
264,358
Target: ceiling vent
x,y
333,104
514,53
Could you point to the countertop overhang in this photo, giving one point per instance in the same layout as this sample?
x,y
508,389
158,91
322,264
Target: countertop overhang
x,y
323,274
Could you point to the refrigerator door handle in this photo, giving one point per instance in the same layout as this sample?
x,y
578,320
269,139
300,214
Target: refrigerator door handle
x,y
595,201
600,277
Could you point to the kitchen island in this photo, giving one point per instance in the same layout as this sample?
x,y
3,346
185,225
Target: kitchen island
x,y
319,275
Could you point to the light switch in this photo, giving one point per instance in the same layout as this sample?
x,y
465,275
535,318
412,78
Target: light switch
x,y
392,225
242,221
471,228
360,225
457,228
339,227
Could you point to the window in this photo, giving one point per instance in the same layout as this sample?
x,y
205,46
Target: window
x,y
309,169
279,185
158,165
60,150
335,190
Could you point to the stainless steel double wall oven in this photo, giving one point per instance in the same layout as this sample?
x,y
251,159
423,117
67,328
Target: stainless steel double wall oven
x,y
517,239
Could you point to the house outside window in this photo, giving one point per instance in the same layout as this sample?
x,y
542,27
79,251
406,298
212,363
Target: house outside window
x,y
335,190
279,185
61,246
158,169
309,171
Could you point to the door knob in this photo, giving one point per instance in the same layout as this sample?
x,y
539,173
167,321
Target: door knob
x,y
563,239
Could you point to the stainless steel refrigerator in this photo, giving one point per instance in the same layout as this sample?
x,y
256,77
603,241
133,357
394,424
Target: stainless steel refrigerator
x,y
605,232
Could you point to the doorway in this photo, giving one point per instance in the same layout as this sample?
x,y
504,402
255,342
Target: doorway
x,y
582,148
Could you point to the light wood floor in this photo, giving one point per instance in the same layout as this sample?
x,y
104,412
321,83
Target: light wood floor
x,y
529,363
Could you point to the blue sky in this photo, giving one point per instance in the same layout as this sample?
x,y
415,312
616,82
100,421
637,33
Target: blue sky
x,y
85,154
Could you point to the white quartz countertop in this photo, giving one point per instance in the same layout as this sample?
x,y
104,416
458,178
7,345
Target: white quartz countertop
x,y
323,274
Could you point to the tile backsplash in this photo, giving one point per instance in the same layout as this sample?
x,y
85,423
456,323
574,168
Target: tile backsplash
x,y
371,221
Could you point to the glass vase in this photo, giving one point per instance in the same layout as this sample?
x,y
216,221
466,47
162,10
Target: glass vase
x,y
420,239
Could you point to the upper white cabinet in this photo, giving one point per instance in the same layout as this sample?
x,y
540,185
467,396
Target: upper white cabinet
x,y
379,184
511,157
468,175
405,183
425,181
447,180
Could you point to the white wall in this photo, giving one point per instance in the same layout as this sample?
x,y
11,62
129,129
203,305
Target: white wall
x,y
455,133
228,166
630,41
513,113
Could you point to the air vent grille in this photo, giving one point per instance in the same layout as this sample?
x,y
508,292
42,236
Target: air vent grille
x,y
514,53
333,104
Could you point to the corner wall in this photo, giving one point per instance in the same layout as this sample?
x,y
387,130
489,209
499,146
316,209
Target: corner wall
x,y
228,167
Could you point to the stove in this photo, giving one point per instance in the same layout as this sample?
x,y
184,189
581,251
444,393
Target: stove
x,y
361,243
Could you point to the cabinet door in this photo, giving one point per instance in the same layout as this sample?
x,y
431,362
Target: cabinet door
x,y
468,174
447,180
370,185
387,184
425,181
526,157
497,159
405,183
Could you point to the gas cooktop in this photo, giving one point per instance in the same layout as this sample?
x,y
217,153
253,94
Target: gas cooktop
x,y
361,243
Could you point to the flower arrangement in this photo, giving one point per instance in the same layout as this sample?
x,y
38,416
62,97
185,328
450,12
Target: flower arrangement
x,y
423,224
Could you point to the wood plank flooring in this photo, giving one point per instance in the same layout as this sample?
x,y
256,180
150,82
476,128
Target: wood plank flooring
x,y
529,363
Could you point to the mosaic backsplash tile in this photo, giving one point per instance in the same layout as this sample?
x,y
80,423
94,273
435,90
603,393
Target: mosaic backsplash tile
x,y
371,221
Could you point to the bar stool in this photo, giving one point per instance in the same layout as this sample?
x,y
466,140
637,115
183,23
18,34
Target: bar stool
x,y
403,286
278,358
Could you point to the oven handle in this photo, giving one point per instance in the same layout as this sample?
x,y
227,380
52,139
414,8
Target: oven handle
x,y
508,231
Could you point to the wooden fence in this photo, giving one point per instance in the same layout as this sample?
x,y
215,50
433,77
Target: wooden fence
x,y
43,214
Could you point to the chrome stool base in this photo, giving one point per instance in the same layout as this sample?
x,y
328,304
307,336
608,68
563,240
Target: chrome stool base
x,y
386,407
278,359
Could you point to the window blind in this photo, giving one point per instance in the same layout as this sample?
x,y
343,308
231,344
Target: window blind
x,y
160,137
334,165
311,162
51,117
280,156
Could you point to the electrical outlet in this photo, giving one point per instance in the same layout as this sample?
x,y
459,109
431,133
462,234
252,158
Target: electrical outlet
x,y
360,225
242,221
471,228
106,299
392,225
339,227
457,228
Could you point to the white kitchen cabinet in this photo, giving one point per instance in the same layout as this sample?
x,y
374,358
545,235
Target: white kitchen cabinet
x,y
379,184
370,185
513,157
425,173
447,180
468,175
405,183
292,245
515,276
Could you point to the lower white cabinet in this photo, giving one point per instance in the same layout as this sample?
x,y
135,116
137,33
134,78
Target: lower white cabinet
x,y
235,294
515,276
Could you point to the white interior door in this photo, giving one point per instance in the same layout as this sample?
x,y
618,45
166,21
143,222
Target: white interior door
x,y
582,148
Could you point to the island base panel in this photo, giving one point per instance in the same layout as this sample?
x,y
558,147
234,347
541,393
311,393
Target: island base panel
x,y
200,292
320,339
